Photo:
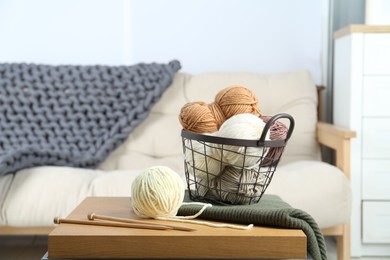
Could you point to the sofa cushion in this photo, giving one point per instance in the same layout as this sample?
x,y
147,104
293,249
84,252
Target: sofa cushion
x,y
137,160
5,183
294,93
37,195
158,137
318,188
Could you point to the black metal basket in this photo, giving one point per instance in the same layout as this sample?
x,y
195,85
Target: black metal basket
x,y
210,178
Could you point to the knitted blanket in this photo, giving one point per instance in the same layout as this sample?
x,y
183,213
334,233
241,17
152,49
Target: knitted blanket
x,y
270,211
73,115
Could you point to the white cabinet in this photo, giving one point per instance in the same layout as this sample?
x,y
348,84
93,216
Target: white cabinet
x,y
376,222
362,103
376,137
376,93
376,53
376,179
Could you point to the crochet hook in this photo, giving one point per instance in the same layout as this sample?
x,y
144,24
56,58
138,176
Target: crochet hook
x,y
58,220
93,216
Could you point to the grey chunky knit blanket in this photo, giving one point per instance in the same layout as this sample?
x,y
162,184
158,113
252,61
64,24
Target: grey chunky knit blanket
x,y
73,115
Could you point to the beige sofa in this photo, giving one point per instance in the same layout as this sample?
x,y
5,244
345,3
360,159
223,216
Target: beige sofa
x,y
31,198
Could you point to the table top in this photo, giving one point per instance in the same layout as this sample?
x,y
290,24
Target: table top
x,y
85,241
361,28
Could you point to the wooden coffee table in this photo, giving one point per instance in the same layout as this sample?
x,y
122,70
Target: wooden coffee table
x,y
82,241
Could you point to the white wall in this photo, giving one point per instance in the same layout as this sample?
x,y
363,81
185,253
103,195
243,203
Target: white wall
x,y
252,35
205,35
61,31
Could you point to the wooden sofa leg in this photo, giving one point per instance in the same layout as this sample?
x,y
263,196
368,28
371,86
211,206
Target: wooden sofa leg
x,y
344,244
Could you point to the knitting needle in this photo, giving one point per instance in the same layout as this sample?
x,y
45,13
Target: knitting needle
x,y
93,216
58,220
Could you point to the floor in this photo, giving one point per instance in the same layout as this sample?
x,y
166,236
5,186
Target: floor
x,y
34,247
22,247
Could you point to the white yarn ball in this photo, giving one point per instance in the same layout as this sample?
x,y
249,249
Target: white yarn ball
x,y
238,186
157,192
242,126
201,162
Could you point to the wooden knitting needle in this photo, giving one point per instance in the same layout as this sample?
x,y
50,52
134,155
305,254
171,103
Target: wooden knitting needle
x,y
93,216
58,220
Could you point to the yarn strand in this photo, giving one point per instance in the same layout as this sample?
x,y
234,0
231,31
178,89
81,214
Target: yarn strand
x,y
190,219
216,225
205,206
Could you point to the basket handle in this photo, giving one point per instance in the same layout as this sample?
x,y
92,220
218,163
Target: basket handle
x,y
273,120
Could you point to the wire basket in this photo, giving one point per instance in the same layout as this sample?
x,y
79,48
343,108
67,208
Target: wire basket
x,y
212,178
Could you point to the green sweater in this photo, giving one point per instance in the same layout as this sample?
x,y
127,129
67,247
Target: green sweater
x,y
270,211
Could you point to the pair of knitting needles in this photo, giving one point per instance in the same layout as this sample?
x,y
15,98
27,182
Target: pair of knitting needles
x,y
120,222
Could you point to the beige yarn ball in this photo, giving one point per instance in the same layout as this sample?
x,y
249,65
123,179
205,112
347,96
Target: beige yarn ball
x,y
157,192
200,160
242,126
237,186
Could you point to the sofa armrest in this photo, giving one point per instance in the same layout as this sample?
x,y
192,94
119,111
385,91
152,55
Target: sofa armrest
x,y
337,138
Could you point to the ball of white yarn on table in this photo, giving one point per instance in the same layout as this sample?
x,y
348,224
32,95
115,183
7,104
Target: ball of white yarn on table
x,y
242,126
157,192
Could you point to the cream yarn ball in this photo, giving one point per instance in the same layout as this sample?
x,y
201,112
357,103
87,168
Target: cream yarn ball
x,y
238,186
200,160
157,192
242,126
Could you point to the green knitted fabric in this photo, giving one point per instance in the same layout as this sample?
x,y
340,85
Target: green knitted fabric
x,y
270,211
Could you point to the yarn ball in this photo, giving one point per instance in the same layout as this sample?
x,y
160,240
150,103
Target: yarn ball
x,y
242,126
237,186
278,131
201,163
200,117
236,100
157,192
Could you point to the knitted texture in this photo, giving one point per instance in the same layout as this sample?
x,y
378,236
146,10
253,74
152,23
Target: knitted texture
x,y
270,211
73,115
